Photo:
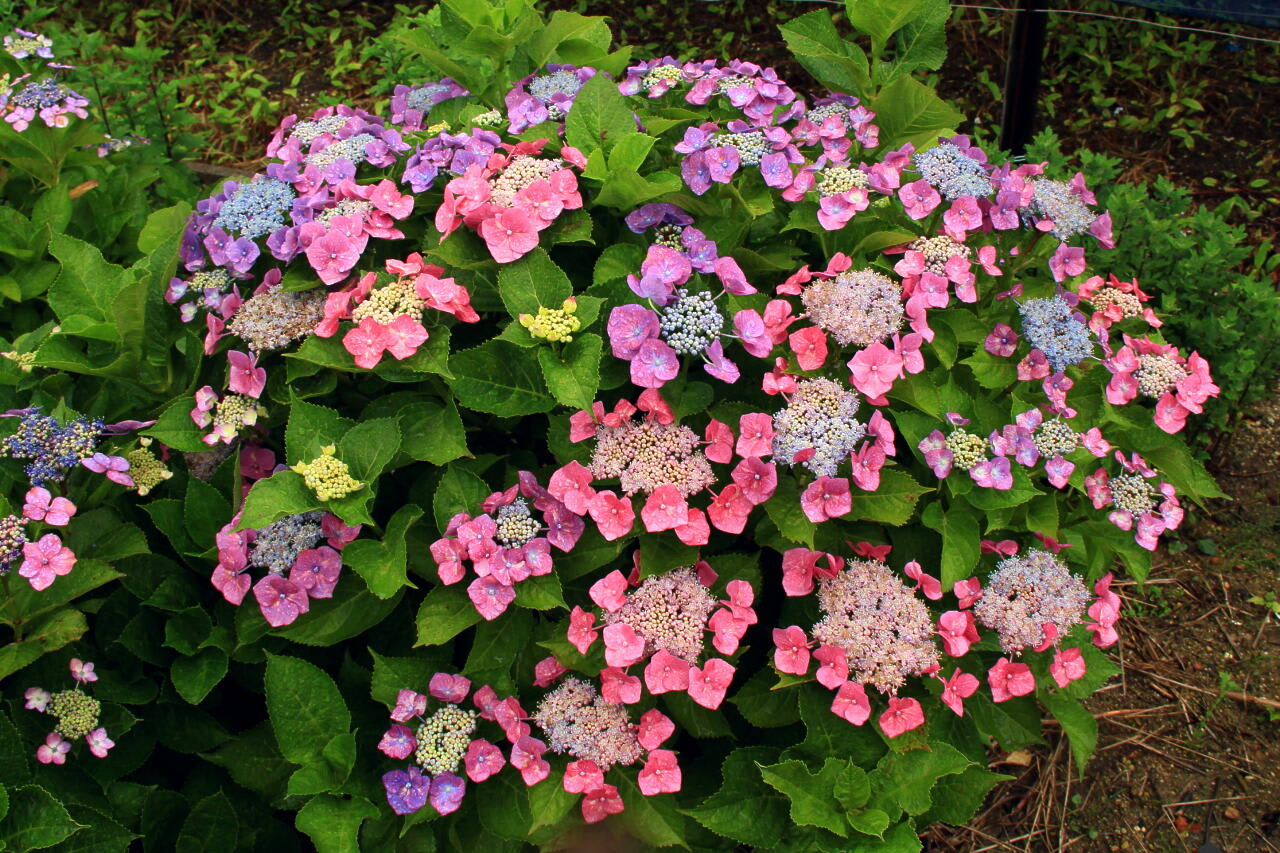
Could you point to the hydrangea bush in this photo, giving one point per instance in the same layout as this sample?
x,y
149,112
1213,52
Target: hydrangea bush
x,y
738,463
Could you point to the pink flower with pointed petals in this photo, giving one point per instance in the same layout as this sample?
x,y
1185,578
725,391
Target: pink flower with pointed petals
x,y
987,257
332,256
993,473
969,591
280,600
41,505
903,716
665,672
963,216
1068,666
696,531
655,728
756,479
482,760
582,633
54,749
755,435
928,584
1008,679
614,516
791,650
1003,341
366,342
582,776
547,671
960,686
99,743
1066,262
398,742
719,442
798,567
510,234
728,631
660,774
729,510
874,369
630,326
618,688
810,346
826,497
526,756
245,376
851,703
316,570
622,645
571,485
601,802
655,364
919,198
115,467
708,685
82,671
408,705
403,336
490,597
751,330
609,592
665,509
44,560
732,277
449,688
37,699
833,666
867,462
958,632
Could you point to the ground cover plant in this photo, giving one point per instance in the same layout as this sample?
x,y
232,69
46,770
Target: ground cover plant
x,y
676,437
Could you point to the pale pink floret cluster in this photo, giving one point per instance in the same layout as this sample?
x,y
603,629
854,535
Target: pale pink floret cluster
x,y
580,722
76,713
512,198
664,623
1031,600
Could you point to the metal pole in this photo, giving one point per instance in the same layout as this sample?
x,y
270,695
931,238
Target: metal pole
x,y
1022,76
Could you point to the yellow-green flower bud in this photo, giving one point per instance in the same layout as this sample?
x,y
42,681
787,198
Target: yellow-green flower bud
x,y
327,475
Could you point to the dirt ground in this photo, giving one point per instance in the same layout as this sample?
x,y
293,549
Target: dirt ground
x,y
1189,737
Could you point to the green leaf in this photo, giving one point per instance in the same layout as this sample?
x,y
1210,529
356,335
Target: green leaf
x,y
904,779
764,707
310,428
27,604
745,809
44,635
957,798
813,795
35,820
211,827
101,834
383,564
893,503
600,117
161,226
193,677
573,373
393,674
302,702
826,734
175,428
1079,725
960,540
85,290
548,805
445,612
1014,723
920,44
909,111
333,822
835,61
652,820
991,371
205,511
459,491
352,611
784,510
497,377
541,593
880,19
254,761
532,282
272,498
329,772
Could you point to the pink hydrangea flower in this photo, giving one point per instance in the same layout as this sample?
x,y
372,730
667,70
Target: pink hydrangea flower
x,y
958,631
582,776
655,728
826,497
245,377
791,650
960,686
41,505
902,716
708,685
660,774
482,760
601,802
1007,680
398,742
1068,666
54,749
851,703
82,671
665,673
281,600
45,559
367,342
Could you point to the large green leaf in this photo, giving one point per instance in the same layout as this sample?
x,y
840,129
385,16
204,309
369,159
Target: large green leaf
x,y
532,282
383,564
36,820
211,827
573,373
909,111
600,117
304,706
498,378
745,809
